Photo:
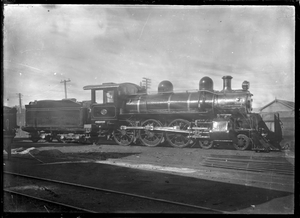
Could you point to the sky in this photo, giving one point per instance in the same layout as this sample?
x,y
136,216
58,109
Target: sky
x,y
95,44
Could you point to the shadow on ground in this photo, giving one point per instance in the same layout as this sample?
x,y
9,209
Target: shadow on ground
x,y
201,192
99,155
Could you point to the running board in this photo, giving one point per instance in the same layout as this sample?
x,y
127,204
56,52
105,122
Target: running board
x,y
161,129
174,129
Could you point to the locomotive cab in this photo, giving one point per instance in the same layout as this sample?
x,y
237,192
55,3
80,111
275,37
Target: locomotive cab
x,y
104,104
107,100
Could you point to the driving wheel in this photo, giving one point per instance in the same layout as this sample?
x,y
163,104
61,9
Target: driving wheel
x,y
179,140
122,136
151,137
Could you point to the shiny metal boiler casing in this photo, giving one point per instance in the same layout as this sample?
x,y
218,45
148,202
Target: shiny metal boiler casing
x,y
190,102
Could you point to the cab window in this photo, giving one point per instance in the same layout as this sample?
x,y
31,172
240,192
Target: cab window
x,y
109,96
99,96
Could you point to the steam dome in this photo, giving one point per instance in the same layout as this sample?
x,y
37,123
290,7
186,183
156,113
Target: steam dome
x,y
165,86
206,83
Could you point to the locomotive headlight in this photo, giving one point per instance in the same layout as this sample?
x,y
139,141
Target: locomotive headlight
x,y
245,85
103,111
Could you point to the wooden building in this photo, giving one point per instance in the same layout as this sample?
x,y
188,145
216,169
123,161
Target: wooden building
x,y
286,111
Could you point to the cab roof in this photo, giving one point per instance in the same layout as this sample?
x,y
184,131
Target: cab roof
x,y
123,88
103,86
110,85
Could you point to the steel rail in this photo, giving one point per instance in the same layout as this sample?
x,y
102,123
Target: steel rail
x,y
116,192
266,158
285,167
259,166
249,169
232,166
262,164
287,164
245,160
252,168
49,201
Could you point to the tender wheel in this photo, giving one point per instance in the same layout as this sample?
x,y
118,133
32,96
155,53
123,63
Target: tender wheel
x,y
48,138
35,136
178,140
59,138
124,137
35,140
82,140
149,137
242,142
206,144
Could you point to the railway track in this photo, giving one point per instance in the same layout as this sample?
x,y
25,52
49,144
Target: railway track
x,y
98,200
41,203
277,165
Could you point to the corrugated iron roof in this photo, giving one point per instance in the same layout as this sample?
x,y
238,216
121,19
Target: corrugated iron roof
x,y
288,104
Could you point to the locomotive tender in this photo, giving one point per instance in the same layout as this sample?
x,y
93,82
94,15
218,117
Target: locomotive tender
x,y
55,119
126,113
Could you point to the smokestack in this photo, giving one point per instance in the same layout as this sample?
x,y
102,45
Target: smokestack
x,y
227,83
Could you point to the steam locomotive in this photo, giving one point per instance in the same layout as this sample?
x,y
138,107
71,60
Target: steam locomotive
x,y
126,113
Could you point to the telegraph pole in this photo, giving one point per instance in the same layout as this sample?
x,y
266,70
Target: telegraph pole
x,y
20,114
20,102
65,84
146,83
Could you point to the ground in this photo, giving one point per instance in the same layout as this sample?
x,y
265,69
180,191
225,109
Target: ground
x,y
185,162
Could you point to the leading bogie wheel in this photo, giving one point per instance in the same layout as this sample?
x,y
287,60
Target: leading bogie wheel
x,y
149,137
124,137
59,138
243,142
206,144
179,140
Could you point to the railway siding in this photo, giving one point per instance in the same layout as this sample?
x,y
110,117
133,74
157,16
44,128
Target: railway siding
x,y
266,170
160,172
91,199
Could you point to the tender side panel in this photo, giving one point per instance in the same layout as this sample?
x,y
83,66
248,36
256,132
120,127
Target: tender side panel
x,y
55,117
